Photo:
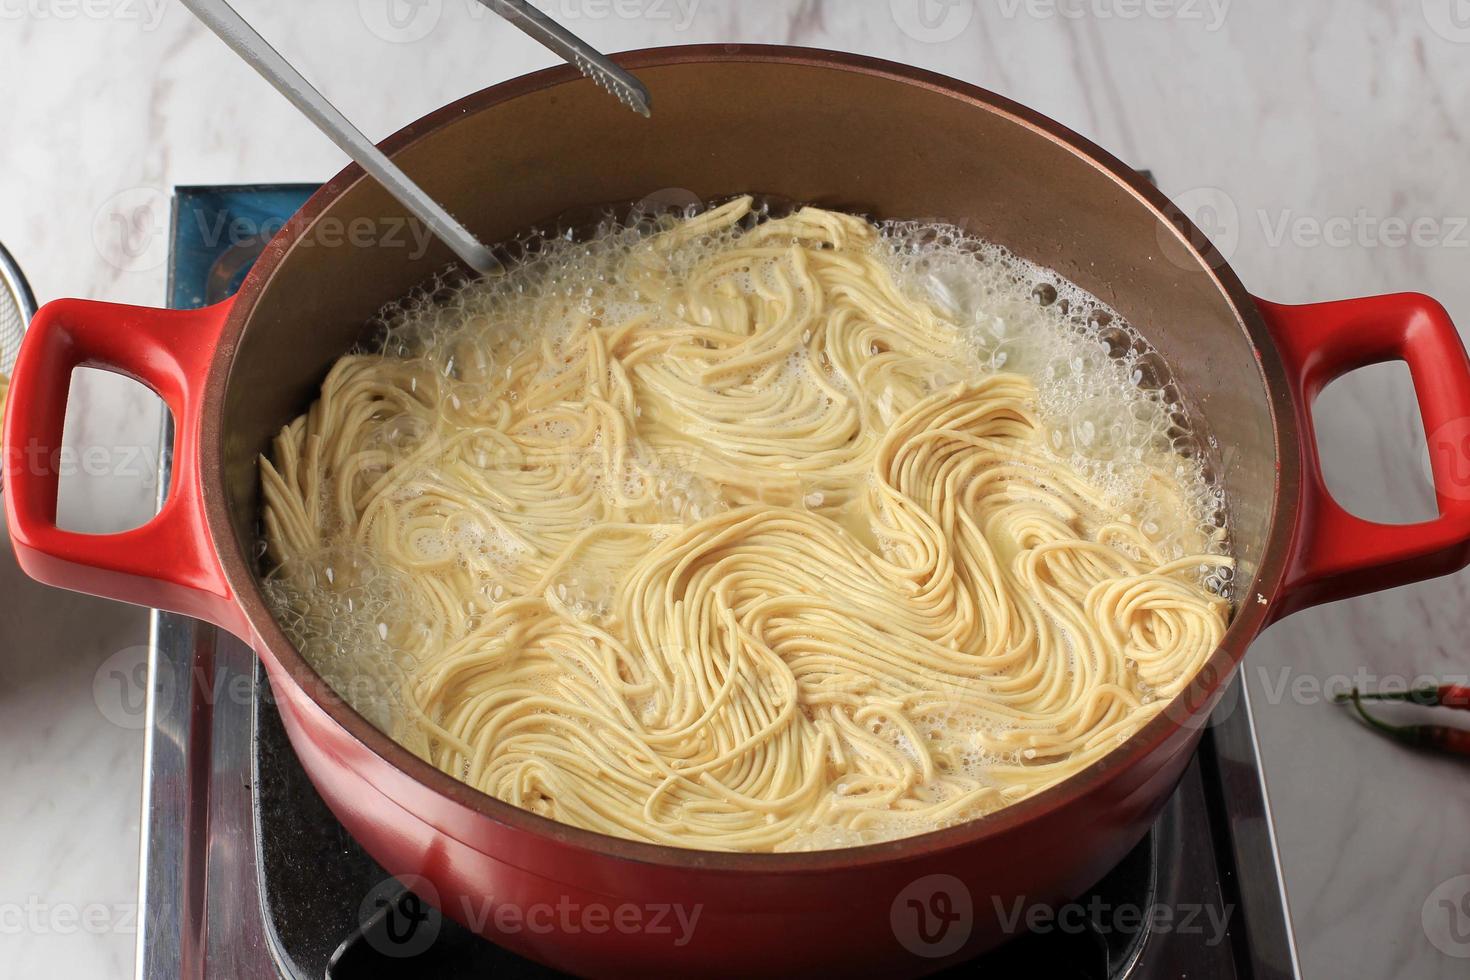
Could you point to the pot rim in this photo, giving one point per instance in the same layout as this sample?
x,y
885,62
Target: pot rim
x,y
1254,604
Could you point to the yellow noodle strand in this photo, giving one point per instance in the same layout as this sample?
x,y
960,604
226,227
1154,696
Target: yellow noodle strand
x,y
729,571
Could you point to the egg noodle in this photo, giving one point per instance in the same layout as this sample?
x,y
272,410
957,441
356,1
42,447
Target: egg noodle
x,y
719,536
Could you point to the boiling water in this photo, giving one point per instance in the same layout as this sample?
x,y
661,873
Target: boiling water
x,y
1104,393
1104,396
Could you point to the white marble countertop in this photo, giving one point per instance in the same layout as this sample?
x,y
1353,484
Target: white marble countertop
x,y
1312,130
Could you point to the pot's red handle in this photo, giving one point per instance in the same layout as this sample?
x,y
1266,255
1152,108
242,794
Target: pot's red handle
x,y
169,562
1338,555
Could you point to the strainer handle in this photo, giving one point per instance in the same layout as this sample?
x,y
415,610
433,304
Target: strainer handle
x,y
169,562
1338,555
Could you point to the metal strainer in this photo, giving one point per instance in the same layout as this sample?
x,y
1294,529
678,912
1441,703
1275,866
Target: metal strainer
x,y
17,306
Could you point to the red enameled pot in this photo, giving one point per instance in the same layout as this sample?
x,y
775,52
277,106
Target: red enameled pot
x,y
813,126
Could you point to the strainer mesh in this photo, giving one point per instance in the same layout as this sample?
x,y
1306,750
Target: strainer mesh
x,y
12,323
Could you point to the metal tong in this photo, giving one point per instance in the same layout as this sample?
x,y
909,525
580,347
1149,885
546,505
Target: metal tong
x,y
231,28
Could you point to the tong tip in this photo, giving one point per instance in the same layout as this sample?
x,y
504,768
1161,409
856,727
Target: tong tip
x,y
617,82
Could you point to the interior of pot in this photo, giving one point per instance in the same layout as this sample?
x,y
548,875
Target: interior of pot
x,y
846,136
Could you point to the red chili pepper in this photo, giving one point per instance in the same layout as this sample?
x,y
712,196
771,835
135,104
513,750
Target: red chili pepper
x,y
1443,738
1433,696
